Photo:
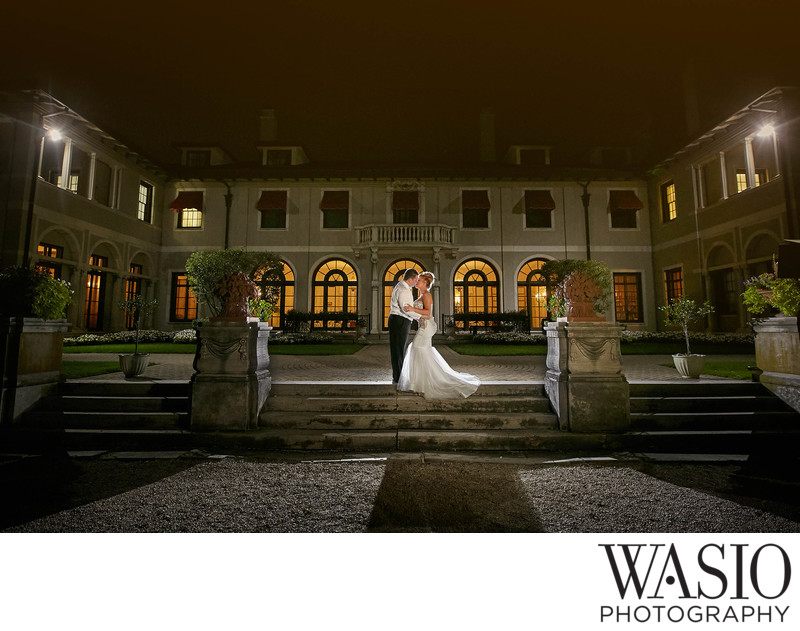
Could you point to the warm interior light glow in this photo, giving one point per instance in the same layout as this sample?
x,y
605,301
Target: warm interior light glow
x,y
54,134
766,130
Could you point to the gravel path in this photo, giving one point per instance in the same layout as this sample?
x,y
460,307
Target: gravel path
x,y
616,499
234,495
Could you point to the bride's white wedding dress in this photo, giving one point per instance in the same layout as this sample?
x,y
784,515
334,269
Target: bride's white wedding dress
x,y
425,370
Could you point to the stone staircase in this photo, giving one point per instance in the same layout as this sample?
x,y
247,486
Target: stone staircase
x,y
110,415
725,419
372,416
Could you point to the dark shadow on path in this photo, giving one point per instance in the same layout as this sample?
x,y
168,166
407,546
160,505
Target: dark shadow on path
x,y
417,496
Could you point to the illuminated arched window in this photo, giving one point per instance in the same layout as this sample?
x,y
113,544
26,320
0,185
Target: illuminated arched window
x,y
281,293
335,290
532,292
475,290
393,274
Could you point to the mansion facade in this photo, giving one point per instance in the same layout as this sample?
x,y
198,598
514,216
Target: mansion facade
x,y
113,223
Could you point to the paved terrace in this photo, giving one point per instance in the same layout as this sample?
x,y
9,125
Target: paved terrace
x,y
372,364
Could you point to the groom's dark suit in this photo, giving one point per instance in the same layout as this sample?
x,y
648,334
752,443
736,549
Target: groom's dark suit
x,y
399,326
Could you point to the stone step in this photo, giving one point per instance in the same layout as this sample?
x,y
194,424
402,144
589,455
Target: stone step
x,y
125,388
365,404
91,403
372,389
45,440
401,420
708,441
742,420
706,404
696,389
83,419
411,440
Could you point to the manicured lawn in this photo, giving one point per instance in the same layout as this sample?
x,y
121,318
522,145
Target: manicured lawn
x,y
671,348
645,348
162,347
76,370
314,349
484,350
728,369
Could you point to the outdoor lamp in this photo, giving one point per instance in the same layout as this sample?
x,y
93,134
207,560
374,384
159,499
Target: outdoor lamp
x,y
766,131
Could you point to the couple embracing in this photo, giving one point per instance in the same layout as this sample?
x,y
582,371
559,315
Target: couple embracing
x,y
421,368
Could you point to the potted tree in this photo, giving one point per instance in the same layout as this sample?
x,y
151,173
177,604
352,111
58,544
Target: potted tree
x,y
137,309
766,295
683,312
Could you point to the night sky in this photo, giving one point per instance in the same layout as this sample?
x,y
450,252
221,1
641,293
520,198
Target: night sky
x,y
400,81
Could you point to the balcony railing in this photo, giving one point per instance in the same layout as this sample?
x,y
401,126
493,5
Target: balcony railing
x,y
375,234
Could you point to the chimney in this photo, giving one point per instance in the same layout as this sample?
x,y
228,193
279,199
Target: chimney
x,y
268,126
691,102
487,142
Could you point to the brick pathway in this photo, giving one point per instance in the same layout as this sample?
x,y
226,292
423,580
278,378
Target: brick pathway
x,y
372,364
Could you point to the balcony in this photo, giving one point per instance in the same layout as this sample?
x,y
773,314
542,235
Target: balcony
x,y
405,234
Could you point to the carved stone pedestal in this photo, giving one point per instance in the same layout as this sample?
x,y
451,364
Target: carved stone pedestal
x,y
584,378
778,355
30,350
231,380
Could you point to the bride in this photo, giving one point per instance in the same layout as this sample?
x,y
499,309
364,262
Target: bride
x,y
424,369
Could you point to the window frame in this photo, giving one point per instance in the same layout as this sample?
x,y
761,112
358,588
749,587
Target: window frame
x,y
637,285
669,207
145,215
669,284
189,298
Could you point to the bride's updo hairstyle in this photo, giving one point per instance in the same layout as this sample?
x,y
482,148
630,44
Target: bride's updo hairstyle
x,y
429,278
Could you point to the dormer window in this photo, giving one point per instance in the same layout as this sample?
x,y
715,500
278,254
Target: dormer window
x,y
279,157
198,158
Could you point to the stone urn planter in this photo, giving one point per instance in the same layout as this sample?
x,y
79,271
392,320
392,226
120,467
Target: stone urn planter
x,y
689,366
134,365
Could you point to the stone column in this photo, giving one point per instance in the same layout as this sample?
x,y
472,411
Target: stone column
x,y
584,379
231,380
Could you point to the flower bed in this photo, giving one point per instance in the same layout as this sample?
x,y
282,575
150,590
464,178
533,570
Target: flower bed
x,y
187,336
302,338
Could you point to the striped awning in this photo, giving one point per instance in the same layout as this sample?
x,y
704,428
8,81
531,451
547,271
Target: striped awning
x,y
539,200
188,199
624,200
475,200
335,200
272,200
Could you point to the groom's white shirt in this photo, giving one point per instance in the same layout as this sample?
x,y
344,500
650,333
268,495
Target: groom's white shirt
x,y
401,295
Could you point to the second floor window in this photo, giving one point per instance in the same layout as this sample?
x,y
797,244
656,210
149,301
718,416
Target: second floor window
x,y
624,207
405,207
189,206
475,209
741,179
668,204
198,158
673,281
335,207
539,207
145,212
272,206
279,157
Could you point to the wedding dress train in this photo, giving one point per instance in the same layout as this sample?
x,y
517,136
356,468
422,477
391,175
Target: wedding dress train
x,y
425,371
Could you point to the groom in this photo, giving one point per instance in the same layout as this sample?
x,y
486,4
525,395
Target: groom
x,y
400,321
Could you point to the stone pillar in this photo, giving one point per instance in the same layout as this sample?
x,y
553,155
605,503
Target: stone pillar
x,y
231,380
584,380
31,352
778,355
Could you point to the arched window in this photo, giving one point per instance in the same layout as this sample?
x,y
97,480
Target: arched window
x,y
532,292
281,293
475,290
393,274
335,290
